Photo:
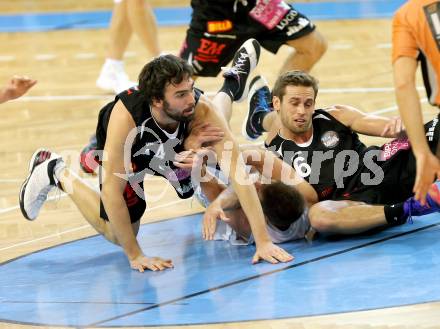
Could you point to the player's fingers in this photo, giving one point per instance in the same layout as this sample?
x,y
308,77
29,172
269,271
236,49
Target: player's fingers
x,y
283,256
159,266
270,259
420,193
385,131
255,259
168,263
204,230
400,125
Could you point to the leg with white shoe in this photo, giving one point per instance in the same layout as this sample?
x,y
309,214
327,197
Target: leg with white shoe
x,y
47,171
128,16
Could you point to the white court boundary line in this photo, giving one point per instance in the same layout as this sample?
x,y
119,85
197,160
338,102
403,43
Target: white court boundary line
x,y
208,93
77,228
394,108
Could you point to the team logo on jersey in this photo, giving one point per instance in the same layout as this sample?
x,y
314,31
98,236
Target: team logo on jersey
x,y
209,51
219,26
330,139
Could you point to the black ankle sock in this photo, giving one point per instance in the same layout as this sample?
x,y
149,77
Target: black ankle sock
x,y
230,87
257,120
394,214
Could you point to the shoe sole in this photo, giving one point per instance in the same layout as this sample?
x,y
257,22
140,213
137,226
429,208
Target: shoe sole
x,y
23,186
255,84
254,57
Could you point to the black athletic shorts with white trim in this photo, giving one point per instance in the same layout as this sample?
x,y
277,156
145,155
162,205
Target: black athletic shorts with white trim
x,y
211,43
399,173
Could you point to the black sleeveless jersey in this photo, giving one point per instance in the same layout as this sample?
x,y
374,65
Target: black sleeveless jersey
x,y
150,149
323,160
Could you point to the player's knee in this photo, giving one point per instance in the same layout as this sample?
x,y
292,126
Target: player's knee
x,y
314,46
319,46
322,219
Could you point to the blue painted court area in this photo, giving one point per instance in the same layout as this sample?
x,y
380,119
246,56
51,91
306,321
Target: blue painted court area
x,y
349,9
89,283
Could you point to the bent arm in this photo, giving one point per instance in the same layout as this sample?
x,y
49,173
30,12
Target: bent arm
x,y
113,185
272,167
365,123
408,101
232,164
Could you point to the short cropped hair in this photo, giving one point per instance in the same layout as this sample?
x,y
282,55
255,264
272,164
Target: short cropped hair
x,y
282,204
159,72
294,78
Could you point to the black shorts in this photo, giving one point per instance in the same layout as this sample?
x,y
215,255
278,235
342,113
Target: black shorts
x,y
135,198
135,203
399,175
209,45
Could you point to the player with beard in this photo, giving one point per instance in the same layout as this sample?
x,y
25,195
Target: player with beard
x,y
141,132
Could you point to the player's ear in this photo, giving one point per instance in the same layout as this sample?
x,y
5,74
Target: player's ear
x,y
276,103
156,102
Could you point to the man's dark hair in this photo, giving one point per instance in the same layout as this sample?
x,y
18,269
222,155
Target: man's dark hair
x,y
282,204
294,78
161,71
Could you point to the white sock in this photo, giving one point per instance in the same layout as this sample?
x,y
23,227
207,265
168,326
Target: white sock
x,y
57,171
119,64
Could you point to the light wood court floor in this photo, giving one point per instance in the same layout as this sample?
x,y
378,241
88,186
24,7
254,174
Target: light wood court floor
x,y
61,111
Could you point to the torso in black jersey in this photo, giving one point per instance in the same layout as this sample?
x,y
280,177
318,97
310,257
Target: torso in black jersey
x,y
152,149
321,161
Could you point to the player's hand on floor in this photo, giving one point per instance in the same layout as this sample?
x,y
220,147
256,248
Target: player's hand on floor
x,y
142,263
213,213
271,253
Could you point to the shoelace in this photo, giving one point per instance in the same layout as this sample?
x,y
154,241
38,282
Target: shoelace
x,y
243,2
410,220
413,202
241,61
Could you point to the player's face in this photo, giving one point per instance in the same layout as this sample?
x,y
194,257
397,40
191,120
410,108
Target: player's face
x,y
296,108
179,102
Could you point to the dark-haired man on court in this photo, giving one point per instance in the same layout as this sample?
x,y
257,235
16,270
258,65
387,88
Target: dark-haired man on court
x,y
140,133
324,148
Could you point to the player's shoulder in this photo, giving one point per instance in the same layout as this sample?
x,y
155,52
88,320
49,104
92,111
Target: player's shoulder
x,y
204,105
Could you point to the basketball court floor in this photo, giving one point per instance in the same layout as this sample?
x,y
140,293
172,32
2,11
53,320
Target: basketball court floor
x,y
56,272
